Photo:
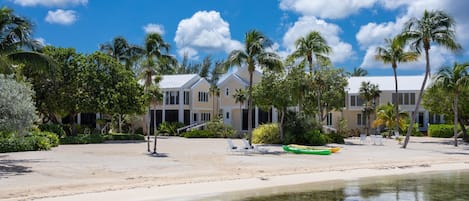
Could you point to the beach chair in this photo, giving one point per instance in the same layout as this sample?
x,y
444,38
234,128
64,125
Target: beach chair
x,y
232,148
362,138
252,148
378,140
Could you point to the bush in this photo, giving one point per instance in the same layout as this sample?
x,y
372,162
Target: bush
x,y
29,143
415,130
199,134
219,129
336,138
124,136
266,134
83,139
53,128
53,138
295,127
16,106
441,130
315,138
170,128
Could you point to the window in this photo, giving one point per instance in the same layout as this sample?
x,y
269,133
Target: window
x,y
205,116
172,97
186,98
227,115
203,96
329,119
356,101
195,116
404,98
361,119
227,91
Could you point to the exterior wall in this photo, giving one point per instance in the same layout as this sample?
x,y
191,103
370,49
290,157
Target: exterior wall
x,y
194,96
232,84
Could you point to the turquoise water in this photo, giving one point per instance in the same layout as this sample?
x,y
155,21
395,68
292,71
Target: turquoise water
x,y
447,186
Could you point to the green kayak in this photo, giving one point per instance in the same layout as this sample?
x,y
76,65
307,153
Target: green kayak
x,y
306,151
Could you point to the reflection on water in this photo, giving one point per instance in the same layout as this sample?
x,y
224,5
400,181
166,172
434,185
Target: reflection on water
x,y
447,186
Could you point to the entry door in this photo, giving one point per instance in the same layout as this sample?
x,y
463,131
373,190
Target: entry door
x,y
227,116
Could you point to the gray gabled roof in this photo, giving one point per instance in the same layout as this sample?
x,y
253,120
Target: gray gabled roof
x,y
178,81
386,83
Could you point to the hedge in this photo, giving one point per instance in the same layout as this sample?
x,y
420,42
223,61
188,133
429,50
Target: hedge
x,y
32,142
441,130
266,134
83,139
124,136
199,134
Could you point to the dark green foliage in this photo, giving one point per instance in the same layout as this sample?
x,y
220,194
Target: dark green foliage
x,y
315,138
441,130
124,136
199,134
336,138
83,139
296,125
170,128
53,128
33,142
266,134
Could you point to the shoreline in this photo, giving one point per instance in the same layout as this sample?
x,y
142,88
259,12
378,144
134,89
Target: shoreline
x,y
231,189
204,167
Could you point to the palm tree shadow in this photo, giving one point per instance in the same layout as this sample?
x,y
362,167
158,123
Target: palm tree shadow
x,y
158,155
13,168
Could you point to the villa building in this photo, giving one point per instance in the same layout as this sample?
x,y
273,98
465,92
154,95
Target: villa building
x,y
409,90
236,114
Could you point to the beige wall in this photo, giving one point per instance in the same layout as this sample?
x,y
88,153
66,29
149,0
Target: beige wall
x,y
232,84
194,101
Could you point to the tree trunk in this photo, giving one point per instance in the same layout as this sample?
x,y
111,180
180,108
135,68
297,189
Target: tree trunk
x,y
73,127
120,123
155,131
463,128
396,98
147,124
250,109
282,117
414,116
455,129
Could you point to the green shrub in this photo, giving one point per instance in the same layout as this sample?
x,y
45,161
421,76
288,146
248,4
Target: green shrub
x,y
199,134
53,138
83,139
266,134
295,127
415,130
219,129
124,136
441,130
28,143
170,128
53,128
315,138
335,138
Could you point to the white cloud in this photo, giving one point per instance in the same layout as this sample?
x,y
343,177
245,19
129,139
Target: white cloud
x,y
64,17
50,3
191,53
373,34
154,28
205,31
333,9
341,51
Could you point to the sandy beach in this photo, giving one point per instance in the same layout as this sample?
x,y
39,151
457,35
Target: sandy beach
x,y
197,168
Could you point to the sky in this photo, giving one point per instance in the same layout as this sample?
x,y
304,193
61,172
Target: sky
x,y
198,28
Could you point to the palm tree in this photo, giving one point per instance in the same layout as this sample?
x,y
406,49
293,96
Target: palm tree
x,y
215,93
155,49
434,27
254,55
453,80
369,93
240,97
394,53
311,45
386,115
358,72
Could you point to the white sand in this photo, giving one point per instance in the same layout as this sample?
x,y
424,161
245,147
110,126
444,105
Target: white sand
x,y
197,168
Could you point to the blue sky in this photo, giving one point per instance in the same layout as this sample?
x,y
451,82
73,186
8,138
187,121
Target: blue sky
x,y
354,28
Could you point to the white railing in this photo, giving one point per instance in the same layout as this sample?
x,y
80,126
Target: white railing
x,y
328,129
186,127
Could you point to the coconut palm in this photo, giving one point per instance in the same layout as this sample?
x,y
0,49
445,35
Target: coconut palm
x,y
453,80
434,27
369,93
254,55
358,72
240,97
156,50
215,93
394,53
312,45
386,115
